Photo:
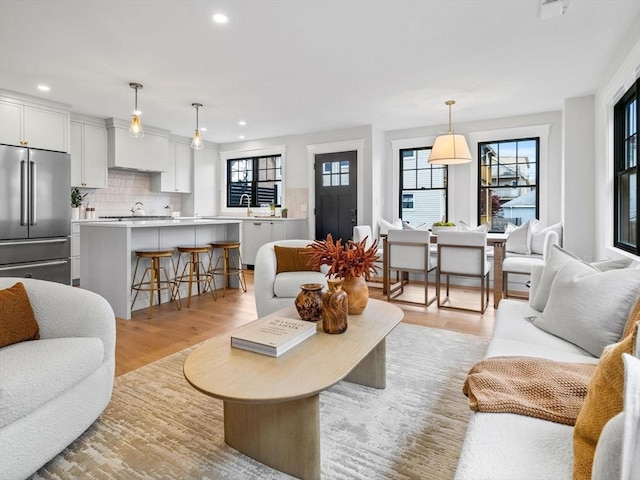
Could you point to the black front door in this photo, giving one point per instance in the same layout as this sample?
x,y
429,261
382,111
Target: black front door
x,y
336,194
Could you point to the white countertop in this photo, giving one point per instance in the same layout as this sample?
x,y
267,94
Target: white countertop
x,y
160,223
258,218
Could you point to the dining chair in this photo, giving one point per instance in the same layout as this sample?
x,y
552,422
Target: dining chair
x,y
463,254
408,251
362,232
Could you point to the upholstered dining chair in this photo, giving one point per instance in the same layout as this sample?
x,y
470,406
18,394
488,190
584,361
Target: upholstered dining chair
x,y
408,251
463,254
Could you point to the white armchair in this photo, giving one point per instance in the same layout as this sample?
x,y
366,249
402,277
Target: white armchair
x,y
409,251
54,388
273,290
463,254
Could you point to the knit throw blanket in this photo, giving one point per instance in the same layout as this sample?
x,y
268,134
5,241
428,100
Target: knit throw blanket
x,y
535,387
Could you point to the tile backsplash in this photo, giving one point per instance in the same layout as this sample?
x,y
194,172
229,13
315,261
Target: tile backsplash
x,y
125,188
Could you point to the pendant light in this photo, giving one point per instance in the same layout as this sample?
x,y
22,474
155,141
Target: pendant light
x,y
135,130
196,143
451,148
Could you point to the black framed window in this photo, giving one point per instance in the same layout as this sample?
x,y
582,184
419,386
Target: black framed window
x,y
423,188
508,172
626,230
258,177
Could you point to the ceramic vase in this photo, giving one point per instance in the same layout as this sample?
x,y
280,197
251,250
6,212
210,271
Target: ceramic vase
x,y
75,213
357,294
309,302
334,308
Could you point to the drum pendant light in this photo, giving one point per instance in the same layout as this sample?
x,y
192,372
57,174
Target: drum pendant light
x,y
135,130
196,143
450,148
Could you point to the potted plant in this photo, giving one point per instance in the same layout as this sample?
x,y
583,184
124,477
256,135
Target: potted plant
x,y
284,212
351,262
76,202
442,226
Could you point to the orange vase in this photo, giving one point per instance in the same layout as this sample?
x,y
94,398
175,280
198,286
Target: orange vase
x,y
334,307
357,294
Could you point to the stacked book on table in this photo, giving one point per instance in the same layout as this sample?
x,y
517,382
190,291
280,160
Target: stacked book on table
x,y
272,335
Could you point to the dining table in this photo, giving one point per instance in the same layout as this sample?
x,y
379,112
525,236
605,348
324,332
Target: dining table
x,y
495,240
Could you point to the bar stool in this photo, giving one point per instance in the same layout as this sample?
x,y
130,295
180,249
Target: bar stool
x,y
155,283
230,266
197,272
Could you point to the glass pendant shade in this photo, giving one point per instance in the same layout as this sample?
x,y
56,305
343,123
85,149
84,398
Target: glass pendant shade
x,y
135,129
196,142
450,148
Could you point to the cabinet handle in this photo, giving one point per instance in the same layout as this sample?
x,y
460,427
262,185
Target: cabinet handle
x,y
24,142
257,223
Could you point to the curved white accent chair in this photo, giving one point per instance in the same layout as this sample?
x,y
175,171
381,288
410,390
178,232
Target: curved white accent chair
x,y
54,388
523,264
273,290
463,254
408,251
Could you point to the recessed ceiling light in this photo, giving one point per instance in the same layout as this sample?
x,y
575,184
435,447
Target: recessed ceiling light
x,y
220,18
241,137
242,123
43,88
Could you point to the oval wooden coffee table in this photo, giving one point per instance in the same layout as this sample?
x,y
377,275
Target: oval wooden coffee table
x,y
271,404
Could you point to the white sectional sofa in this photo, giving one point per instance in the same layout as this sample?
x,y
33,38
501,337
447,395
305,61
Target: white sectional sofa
x,y
506,446
54,388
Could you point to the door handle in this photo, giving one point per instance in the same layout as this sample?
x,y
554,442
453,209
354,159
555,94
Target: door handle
x,y
24,191
33,218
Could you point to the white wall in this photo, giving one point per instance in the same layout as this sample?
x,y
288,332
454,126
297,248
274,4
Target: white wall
x,y
578,177
622,72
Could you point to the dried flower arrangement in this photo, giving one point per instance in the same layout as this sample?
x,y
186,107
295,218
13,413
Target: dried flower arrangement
x,y
350,260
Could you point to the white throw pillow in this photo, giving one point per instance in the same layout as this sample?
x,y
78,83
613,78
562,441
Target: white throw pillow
x,y
384,226
519,240
463,227
612,264
589,308
538,234
408,226
558,257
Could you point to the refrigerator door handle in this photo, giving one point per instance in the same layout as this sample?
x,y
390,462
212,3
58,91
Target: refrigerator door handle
x,y
35,264
32,200
24,191
35,242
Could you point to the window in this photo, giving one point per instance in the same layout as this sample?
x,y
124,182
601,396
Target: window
x,y
335,174
423,192
626,230
508,182
258,177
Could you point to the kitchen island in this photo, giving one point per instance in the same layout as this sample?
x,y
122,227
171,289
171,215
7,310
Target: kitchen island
x,y
108,253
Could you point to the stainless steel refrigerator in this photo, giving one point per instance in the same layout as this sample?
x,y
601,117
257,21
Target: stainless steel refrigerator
x,y
35,216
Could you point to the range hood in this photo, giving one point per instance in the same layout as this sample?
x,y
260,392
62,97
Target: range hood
x,y
145,154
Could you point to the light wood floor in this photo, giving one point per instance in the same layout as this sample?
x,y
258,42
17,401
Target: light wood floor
x,y
141,340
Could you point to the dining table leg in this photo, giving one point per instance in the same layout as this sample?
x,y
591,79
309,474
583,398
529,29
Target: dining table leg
x,y
498,257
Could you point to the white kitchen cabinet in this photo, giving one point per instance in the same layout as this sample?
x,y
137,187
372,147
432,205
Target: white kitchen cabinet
x,y
202,200
149,153
177,178
258,231
88,155
34,125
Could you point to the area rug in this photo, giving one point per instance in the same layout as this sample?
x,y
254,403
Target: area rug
x,y
158,427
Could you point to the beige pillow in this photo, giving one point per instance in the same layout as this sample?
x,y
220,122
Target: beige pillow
x,y
293,259
603,402
17,321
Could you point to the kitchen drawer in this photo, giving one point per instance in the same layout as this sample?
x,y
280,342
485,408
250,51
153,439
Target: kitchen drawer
x,y
19,251
51,270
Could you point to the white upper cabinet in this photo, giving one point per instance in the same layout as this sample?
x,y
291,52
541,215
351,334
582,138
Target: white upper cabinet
x,y
178,177
88,155
26,123
149,153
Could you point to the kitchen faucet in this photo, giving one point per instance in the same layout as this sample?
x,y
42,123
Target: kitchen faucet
x,y
248,200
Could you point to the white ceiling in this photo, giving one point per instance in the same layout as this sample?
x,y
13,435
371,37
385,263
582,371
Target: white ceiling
x,y
288,67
